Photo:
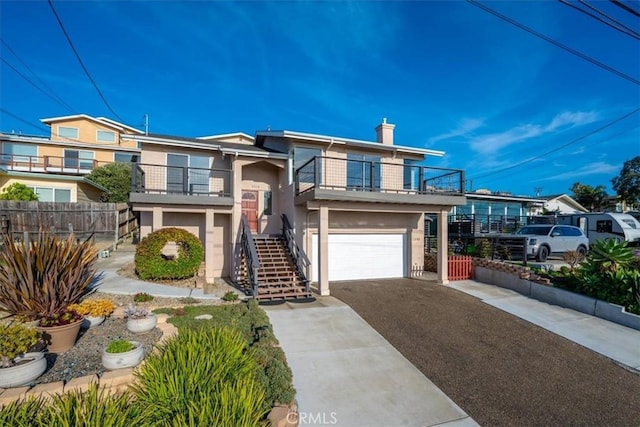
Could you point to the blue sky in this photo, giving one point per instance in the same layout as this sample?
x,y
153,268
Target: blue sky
x,y
449,75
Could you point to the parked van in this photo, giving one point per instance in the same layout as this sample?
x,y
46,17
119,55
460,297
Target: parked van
x,y
607,225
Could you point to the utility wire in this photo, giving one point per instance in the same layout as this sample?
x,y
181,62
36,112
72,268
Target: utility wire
x,y
24,64
26,122
617,26
59,101
554,42
580,138
604,14
625,7
609,138
84,68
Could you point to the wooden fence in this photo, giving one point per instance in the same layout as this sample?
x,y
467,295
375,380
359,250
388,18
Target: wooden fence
x,y
101,221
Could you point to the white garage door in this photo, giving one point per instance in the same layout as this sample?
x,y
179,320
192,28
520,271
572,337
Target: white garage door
x,y
362,256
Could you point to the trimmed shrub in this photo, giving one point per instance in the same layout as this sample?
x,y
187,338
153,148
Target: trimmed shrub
x,y
151,264
202,376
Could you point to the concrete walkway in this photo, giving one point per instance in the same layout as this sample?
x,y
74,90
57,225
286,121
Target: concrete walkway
x,y
347,374
614,341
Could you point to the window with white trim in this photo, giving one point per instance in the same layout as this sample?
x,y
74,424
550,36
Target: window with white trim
x,y
78,159
67,132
105,136
52,194
125,157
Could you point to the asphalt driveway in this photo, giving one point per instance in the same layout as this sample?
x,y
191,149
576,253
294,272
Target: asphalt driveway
x,y
498,368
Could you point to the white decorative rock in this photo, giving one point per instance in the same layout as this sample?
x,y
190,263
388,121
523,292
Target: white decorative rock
x,y
204,317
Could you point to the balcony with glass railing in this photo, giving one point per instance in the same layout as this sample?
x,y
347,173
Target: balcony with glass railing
x,y
180,185
332,178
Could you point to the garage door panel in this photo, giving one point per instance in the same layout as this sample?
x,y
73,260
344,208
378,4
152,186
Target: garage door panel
x,y
363,256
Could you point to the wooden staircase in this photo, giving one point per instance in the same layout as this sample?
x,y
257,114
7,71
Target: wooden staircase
x,y
277,276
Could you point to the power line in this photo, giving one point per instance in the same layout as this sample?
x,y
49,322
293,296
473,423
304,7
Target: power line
x,y
59,101
617,26
580,138
554,42
26,122
84,68
24,64
625,7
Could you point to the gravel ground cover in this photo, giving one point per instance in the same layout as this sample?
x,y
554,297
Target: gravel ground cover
x,y
502,370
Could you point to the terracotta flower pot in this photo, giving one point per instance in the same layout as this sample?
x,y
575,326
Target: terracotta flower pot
x,y
60,338
30,366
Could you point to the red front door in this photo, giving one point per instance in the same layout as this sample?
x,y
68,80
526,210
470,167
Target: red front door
x,y
250,208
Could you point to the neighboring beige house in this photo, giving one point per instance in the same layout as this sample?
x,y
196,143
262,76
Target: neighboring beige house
x,y
356,208
54,166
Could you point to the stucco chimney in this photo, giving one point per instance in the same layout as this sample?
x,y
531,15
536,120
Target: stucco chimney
x,y
384,132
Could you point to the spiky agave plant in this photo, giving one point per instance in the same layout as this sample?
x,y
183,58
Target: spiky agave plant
x,y
44,276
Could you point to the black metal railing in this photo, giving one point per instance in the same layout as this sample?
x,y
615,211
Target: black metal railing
x,y
250,254
160,179
470,224
300,259
332,173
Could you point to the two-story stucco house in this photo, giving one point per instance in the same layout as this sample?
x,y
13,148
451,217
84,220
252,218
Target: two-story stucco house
x,y
55,166
287,208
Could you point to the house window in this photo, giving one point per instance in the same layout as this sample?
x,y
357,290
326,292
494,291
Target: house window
x,y
78,159
67,132
18,152
194,168
268,203
105,136
363,172
411,175
125,157
301,155
51,194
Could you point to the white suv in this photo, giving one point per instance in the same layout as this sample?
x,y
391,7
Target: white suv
x,y
543,240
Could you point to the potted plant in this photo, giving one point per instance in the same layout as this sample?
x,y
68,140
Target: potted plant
x,y
122,354
39,279
18,366
95,311
140,319
60,330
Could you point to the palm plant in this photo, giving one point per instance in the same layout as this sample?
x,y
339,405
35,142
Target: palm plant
x,y
43,277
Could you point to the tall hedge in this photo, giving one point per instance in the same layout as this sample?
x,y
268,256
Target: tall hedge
x,y
152,264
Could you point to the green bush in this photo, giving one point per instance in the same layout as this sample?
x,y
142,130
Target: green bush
x,y
230,296
202,376
116,178
41,278
23,413
151,264
18,191
95,407
142,297
253,324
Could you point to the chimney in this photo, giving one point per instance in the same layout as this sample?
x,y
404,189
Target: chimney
x,y
384,132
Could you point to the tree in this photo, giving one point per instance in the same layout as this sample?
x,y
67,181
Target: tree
x,y
627,185
18,191
116,178
592,198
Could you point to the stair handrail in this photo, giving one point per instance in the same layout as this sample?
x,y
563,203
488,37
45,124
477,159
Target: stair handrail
x,y
299,257
251,254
